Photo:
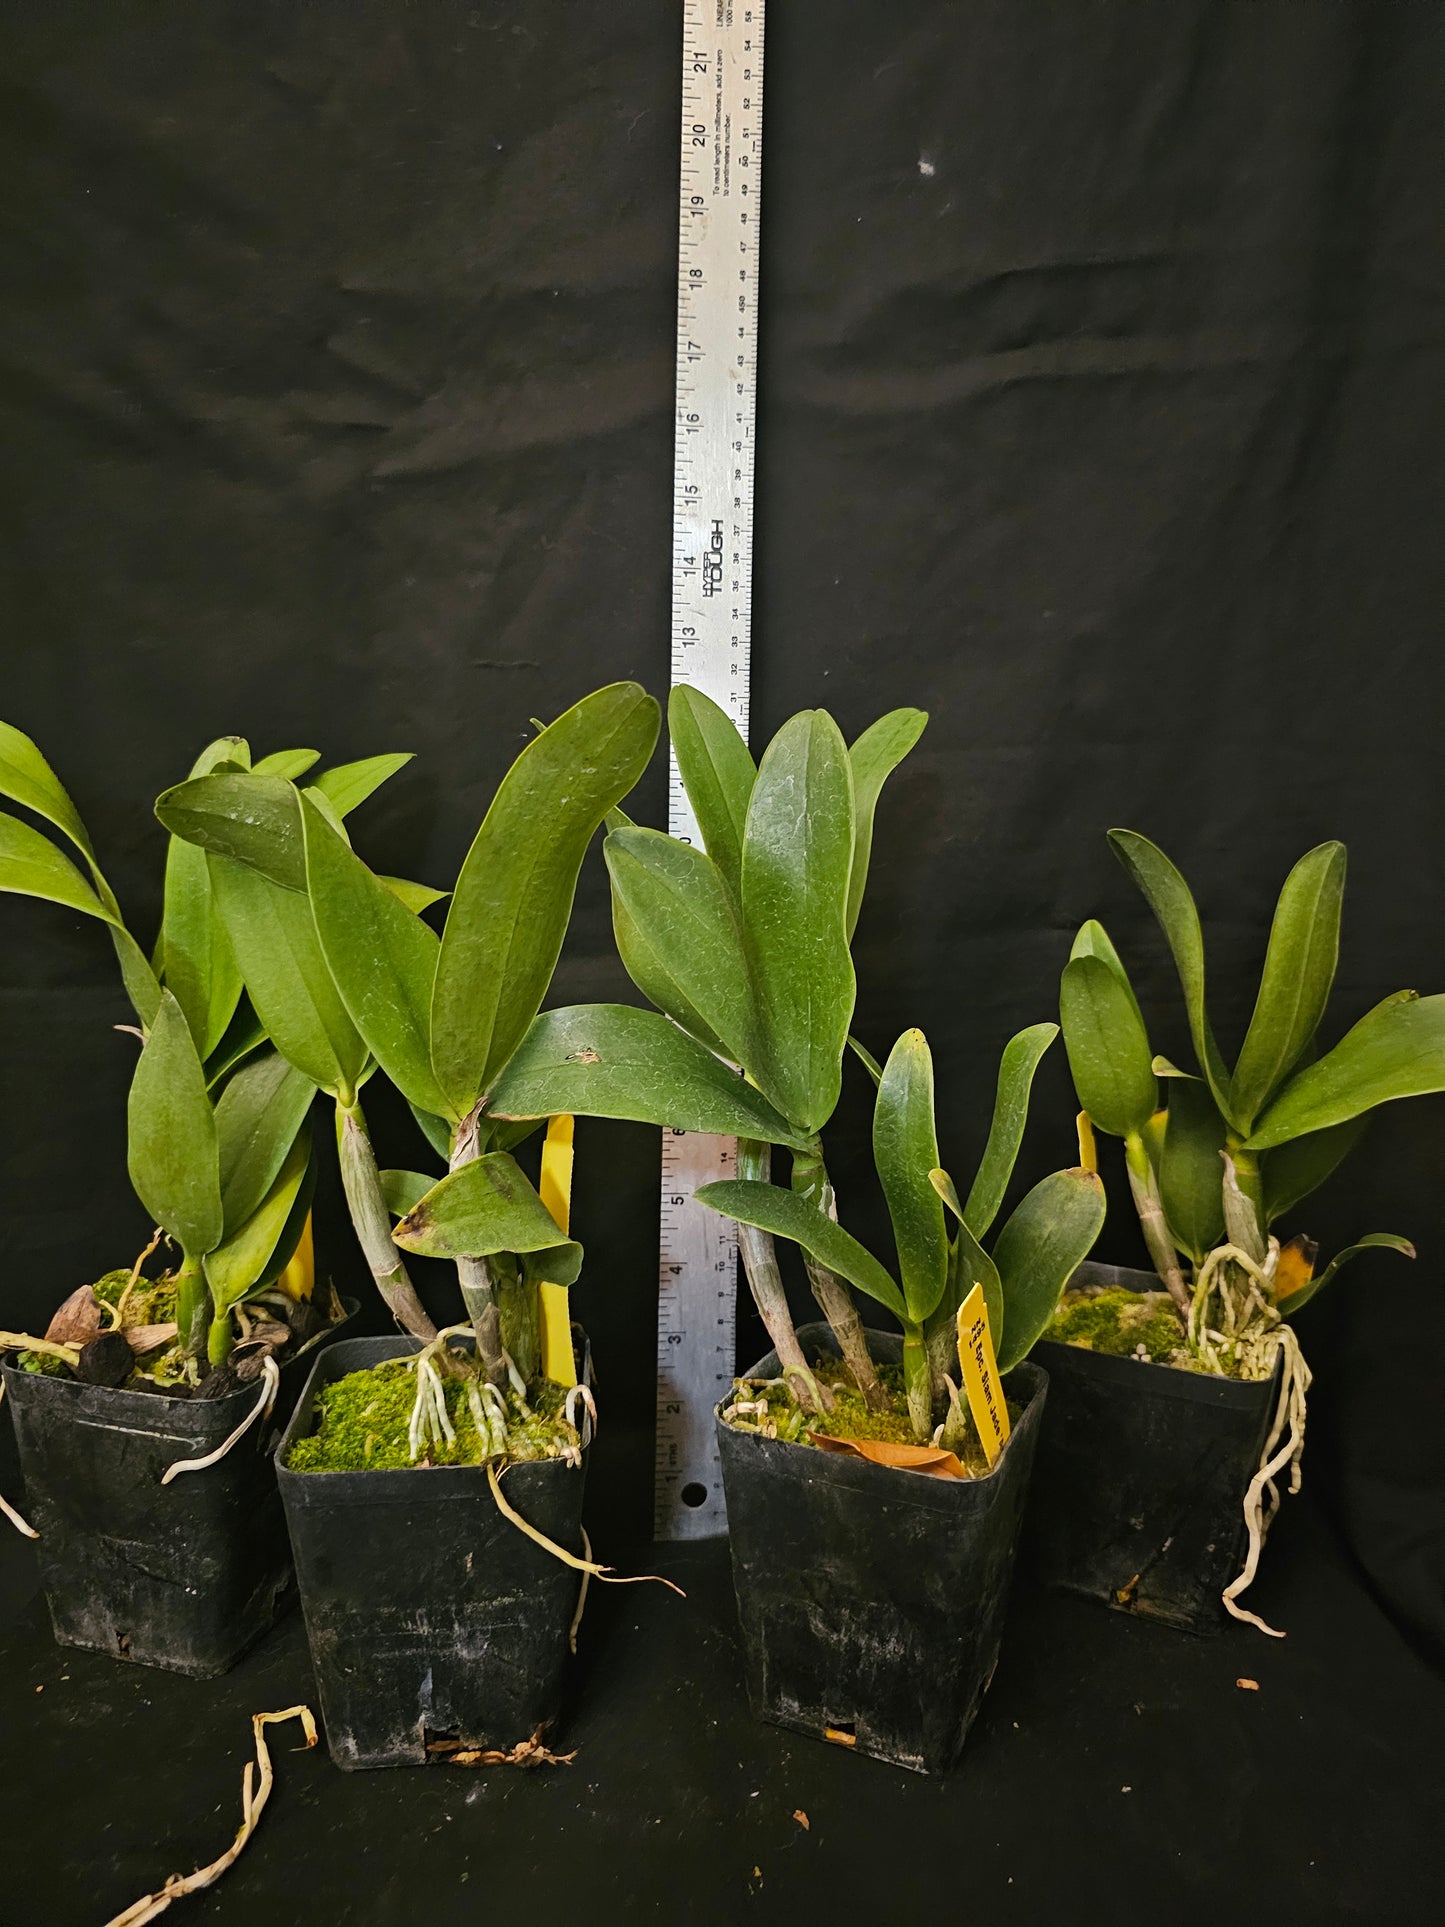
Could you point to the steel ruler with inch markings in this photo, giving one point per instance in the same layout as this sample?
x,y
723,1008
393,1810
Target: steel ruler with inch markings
x,y
712,569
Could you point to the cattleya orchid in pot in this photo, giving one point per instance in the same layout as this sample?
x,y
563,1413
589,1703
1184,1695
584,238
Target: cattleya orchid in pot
x,y
1230,1153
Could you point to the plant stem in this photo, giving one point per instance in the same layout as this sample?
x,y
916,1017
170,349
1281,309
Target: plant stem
x,y
193,1306
811,1181
1145,1188
220,1339
371,1221
474,1275
765,1280
519,1308
918,1378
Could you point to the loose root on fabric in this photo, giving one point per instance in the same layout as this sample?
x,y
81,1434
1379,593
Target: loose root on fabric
x,y
151,1906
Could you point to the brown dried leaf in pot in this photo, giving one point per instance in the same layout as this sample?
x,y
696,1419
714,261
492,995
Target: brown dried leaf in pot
x,y
77,1321
148,1338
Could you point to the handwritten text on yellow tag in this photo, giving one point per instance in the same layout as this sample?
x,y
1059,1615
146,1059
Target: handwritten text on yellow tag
x,y
555,1191
980,1374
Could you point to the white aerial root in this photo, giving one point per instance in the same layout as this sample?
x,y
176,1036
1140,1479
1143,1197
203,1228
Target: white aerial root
x,y
14,1517
429,1420
576,1626
589,1566
150,1906
271,1377
1261,1501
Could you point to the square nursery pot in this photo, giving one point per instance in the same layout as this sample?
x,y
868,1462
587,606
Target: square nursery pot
x,y
433,1622
872,1600
1139,1492
183,1576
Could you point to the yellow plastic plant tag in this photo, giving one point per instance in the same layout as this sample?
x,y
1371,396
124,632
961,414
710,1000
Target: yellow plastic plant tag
x,y
299,1277
555,1191
980,1374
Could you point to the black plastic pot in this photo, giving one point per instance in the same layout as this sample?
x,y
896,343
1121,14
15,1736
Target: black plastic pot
x,y
1139,1492
872,1600
432,1620
182,1576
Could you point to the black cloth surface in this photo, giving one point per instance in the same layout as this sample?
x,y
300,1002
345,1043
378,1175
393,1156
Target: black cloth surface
x,y
1101,416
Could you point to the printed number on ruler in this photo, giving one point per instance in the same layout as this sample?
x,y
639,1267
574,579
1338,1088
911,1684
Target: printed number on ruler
x,y
720,179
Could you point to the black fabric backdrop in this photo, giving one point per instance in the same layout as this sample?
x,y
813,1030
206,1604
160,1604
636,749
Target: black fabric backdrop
x,y
1101,416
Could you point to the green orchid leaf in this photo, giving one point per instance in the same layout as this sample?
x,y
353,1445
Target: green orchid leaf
x,y
273,935
1191,1170
436,1130
867,1060
1292,1171
348,785
255,820
289,763
717,772
875,756
31,866
797,856
141,983
1396,1050
196,962
611,1060
26,778
644,966
787,1215
905,1151
415,897
382,959
559,1264
506,1133
1164,1067
1021,1058
404,1190
1094,940
1372,1241
514,896
674,898
173,1157
245,1035
245,1257
971,1263
1039,1250
486,1206
259,1116
1299,970
1168,897
1108,1049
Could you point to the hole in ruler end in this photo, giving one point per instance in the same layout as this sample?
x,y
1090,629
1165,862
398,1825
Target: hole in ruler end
x,y
694,1494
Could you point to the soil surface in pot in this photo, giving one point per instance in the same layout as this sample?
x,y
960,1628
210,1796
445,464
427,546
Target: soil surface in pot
x,y
364,1423
768,1406
122,1330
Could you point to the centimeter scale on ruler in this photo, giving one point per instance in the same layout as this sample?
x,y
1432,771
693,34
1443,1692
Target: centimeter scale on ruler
x,y
719,185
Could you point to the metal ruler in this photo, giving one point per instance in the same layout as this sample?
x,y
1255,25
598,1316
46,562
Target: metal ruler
x,y
712,571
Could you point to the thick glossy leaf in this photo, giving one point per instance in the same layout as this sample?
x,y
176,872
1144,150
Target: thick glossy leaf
x,y
436,1130
674,898
797,855
971,1263
1396,1050
273,935
1299,969
1038,1251
905,1151
404,1190
643,965
1372,1241
875,756
245,1254
415,897
256,820
1021,1057
31,866
173,1158
717,771
245,1035
141,983
514,895
289,763
1291,1172
349,784
1191,1170
867,1060
787,1215
1168,897
259,1115
196,961
487,1206
26,778
1108,1050
611,1060
1094,940
382,959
